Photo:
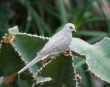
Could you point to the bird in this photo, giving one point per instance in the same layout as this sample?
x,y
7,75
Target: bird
x,y
57,44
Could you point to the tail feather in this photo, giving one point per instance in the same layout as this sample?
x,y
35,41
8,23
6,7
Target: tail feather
x,y
35,60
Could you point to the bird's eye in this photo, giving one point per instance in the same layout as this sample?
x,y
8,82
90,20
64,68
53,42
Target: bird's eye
x,y
71,27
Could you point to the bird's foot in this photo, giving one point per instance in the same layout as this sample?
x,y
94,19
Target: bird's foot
x,y
68,53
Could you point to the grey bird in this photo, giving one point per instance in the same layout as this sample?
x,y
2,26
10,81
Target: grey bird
x,y
57,44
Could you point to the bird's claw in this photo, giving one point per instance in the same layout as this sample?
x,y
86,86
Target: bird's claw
x,y
68,53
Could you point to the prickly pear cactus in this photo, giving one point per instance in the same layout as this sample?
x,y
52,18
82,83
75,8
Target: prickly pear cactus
x,y
97,56
17,49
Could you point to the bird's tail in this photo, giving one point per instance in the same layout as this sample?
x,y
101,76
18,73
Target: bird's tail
x,y
35,60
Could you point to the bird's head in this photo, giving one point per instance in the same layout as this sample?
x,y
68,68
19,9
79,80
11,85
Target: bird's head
x,y
70,27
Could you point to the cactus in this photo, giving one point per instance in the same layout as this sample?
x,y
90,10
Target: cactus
x,y
17,49
97,56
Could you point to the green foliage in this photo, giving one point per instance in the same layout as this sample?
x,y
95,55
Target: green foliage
x,y
4,14
45,17
27,46
9,55
10,63
60,71
97,56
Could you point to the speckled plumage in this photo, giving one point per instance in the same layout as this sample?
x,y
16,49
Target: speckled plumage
x,y
58,43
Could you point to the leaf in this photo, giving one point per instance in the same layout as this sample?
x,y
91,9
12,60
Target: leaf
x,y
22,83
4,17
83,77
16,47
10,63
9,60
97,56
60,70
79,46
64,18
27,46
93,33
78,61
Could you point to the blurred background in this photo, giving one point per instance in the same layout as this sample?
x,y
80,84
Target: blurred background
x,y
46,17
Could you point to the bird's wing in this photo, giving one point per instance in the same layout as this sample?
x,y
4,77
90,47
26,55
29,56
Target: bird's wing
x,y
48,48
55,44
